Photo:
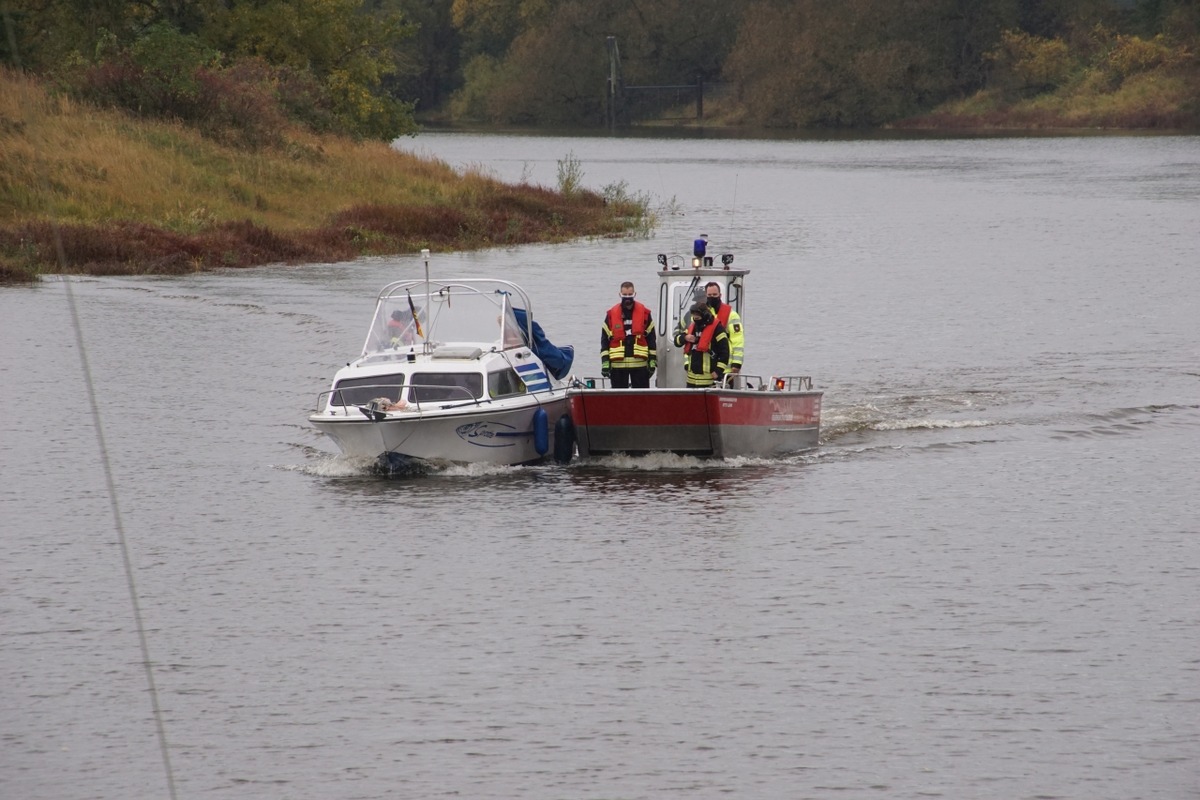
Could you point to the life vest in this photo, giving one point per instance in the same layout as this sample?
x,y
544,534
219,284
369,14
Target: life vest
x,y
705,343
639,321
736,338
700,360
723,314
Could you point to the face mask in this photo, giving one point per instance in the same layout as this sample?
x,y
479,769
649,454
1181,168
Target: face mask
x,y
714,303
626,301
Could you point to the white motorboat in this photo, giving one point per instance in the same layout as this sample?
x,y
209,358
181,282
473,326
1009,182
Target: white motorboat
x,y
451,372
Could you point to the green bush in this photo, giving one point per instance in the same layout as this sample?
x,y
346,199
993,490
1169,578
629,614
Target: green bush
x,y
1023,64
1131,55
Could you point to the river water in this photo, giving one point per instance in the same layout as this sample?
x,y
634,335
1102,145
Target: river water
x,y
984,584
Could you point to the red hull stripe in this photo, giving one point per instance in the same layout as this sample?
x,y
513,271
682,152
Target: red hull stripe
x,y
695,407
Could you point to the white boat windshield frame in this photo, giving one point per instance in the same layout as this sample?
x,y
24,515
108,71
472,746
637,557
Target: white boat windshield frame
x,y
679,290
420,315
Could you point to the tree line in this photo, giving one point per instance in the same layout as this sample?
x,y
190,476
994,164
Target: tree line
x,y
370,68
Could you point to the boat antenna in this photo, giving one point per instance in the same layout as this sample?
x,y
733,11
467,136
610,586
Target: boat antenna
x,y
428,301
667,206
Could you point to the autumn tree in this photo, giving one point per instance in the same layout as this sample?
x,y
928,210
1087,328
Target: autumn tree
x,y
857,63
552,66
119,51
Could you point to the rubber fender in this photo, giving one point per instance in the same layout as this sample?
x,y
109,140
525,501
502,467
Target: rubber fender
x,y
564,439
541,432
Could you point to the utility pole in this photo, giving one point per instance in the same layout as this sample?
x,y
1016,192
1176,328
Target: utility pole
x,y
614,81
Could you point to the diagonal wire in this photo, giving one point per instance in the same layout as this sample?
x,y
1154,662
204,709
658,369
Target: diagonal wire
x,y
130,582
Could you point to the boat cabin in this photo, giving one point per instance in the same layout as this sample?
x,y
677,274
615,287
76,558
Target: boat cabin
x,y
679,287
443,344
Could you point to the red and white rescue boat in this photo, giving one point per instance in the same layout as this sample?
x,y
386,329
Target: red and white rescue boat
x,y
747,415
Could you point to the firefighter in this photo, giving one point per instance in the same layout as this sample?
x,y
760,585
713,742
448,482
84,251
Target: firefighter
x,y
705,348
732,322
628,348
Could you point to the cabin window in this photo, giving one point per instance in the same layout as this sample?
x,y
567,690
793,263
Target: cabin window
x,y
505,383
360,391
431,387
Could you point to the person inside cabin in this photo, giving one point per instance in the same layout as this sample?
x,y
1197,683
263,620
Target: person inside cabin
x,y
400,329
732,322
628,345
705,348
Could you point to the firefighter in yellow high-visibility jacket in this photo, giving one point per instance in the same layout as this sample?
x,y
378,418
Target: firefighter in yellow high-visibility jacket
x,y
705,348
732,322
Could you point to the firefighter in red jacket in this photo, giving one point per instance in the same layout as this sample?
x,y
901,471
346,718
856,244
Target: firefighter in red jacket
x,y
705,348
628,349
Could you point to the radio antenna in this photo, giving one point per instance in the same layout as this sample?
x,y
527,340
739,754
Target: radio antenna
x,y
733,209
668,206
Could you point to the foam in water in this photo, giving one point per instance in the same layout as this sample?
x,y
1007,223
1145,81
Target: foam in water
x,y
929,424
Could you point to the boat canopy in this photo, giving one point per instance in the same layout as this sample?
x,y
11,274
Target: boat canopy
x,y
490,314
557,359
406,316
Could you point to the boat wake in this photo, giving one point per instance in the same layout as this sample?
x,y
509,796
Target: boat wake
x,y
650,462
323,464
864,430
1120,421
841,421
328,465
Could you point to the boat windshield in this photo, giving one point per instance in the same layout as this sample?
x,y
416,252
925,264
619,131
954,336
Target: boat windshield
x,y
456,314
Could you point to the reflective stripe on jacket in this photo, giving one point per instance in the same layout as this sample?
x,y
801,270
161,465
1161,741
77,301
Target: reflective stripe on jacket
x,y
633,348
737,337
710,354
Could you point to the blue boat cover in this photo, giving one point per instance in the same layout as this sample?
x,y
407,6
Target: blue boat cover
x,y
557,359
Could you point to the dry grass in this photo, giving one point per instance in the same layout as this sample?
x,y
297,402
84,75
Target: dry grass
x,y
134,196
1154,100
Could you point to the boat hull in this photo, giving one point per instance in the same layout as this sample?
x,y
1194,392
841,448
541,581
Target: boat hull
x,y
500,437
706,423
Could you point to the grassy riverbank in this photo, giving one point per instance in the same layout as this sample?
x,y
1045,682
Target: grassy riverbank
x,y
129,196
1143,103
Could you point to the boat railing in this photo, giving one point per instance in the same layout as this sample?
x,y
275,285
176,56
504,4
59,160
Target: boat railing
x,y
774,383
364,396
502,295
731,380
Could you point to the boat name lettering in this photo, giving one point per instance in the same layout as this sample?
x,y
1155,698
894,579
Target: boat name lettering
x,y
487,434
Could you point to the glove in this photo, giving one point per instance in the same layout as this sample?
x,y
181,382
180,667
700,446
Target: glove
x,y
653,367
605,372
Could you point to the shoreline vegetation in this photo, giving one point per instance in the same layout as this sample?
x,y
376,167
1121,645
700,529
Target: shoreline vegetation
x,y
85,190
160,138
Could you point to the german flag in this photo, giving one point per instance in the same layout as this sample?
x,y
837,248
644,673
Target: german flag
x,y
416,321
